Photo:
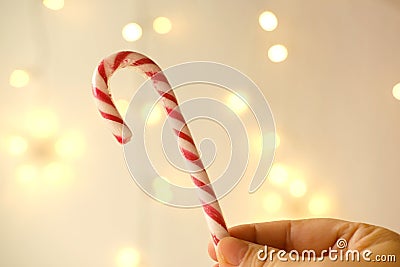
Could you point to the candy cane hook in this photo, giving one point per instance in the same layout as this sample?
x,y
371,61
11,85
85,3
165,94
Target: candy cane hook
x,y
122,133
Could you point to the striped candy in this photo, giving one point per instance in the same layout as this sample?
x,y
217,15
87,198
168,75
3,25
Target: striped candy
x,y
122,133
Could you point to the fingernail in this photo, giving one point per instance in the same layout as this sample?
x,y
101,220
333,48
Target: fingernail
x,y
232,250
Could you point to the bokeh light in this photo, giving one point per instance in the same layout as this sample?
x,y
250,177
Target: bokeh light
x,y
42,123
162,189
128,257
272,202
278,174
236,103
27,173
297,188
256,142
156,114
396,91
162,25
71,145
54,4
268,21
272,140
277,53
122,106
132,32
19,78
319,205
17,145
277,140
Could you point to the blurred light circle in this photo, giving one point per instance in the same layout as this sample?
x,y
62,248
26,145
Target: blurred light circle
x,y
277,140
162,25
70,145
277,53
27,173
268,21
17,145
162,189
298,188
122,106
42,123
278,174
128,257
236,103
396,91
132,32
54,4
19,78
272,140
153,114
272,202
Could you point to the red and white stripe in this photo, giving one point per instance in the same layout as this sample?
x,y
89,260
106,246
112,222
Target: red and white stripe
x,y
122,133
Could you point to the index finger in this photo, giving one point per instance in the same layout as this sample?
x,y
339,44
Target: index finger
x,y
317,234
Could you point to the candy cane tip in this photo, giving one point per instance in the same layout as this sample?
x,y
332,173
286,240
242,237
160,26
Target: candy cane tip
x,y
122,140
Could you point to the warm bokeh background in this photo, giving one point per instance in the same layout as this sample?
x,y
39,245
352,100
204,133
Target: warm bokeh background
x,y
66,196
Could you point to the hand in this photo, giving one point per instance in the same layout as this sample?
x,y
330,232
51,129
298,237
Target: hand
x,y
248,242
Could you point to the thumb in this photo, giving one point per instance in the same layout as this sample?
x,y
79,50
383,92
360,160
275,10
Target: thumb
x,y
235,252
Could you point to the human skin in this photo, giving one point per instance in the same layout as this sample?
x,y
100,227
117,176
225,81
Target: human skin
x,y
312,234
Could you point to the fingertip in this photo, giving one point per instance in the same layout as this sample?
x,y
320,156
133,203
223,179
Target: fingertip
x,y
211,250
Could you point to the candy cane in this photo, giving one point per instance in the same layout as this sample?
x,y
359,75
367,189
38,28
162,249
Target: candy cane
x,y
122,133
